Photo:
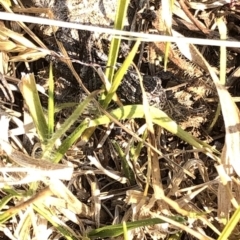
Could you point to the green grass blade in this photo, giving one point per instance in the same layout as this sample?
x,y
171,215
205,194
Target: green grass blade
x,y
223,51
46,213
130,112
167,19
136,152
128,173
120,73
50,102
115,43
48,153
58,155
29,91
230,225
116,230
158,116
5,200
125,231
62,106
223,64
6,215
11,211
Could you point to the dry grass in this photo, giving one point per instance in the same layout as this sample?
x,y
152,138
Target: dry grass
x,y
158,178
